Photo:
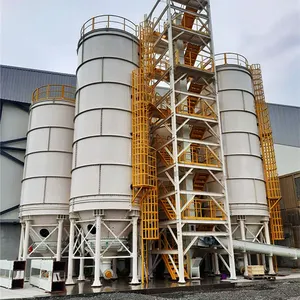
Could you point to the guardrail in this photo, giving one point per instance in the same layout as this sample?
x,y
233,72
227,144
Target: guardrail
x,y
109,21
54,92
231,58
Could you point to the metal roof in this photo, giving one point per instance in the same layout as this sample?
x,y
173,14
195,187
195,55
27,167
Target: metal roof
x,y
285,121
17,84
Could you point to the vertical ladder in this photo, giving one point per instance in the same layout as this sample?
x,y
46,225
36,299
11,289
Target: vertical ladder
x,y
144,174
268,155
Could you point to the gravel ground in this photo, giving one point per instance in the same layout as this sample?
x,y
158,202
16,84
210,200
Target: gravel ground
x,y
272,291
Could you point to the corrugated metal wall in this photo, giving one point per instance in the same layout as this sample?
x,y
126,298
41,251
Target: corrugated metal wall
x,y
285,121
17,84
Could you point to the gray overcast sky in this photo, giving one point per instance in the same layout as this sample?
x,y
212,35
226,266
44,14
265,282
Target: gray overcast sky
x,y
43,34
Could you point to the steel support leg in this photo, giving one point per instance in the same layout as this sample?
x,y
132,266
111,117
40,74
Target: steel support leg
x,y
217,267
81,276
243,235
134,271
97,282
26,239
59,239
21,242
268,241
70,280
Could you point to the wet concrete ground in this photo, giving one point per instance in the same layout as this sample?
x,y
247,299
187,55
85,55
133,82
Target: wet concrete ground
x,y
286,286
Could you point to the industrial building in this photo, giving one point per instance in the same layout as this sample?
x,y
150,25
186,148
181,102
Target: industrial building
x,y
158,152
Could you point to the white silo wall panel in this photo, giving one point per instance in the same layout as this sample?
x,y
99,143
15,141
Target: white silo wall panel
x,y
90,72
254,145
234,80
87,124
33,191
50,114
104,150
48,164
244,167
249,104
236,100
244,191
85,181
96,96
241,143
61,139
57,190
37,140
109,46
116,122
115,70
115,176
233,121
236,143
114,44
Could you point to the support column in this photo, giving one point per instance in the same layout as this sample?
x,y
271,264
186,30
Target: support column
x,y
81,276
181,278
59,238
26,239
217,267
134,271
70,280
97,282
243,235
21,242
268,241
114,268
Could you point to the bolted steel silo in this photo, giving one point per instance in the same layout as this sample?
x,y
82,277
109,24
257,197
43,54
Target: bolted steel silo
x,y
101,172
44,207
245,175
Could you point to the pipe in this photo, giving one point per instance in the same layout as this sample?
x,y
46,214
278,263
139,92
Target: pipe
x,y
293,253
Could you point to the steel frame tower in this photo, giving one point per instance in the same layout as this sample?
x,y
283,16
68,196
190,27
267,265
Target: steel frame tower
x,y
186,134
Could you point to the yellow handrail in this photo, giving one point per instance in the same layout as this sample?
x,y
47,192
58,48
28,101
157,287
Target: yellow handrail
x,y
109,21
231,58
54,92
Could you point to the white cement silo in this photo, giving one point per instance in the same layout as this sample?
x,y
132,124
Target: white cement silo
x,y
245,178
101,172
44,207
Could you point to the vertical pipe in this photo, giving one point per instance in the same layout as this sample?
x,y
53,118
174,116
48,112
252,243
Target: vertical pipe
x,y
21,242
59,239
26,239
97,282
81,276
175,152
270,257
243,235
134,271
70,280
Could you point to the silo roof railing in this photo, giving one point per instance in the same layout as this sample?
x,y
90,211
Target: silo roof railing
x,y
54,92
231,58
109,21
